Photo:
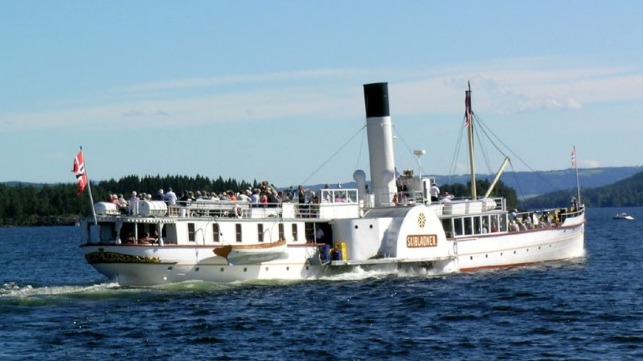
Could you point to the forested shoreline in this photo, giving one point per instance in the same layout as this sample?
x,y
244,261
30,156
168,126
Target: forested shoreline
x,y
59,204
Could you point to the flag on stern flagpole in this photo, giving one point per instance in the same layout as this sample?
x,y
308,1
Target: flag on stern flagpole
x,y
574,157
79,171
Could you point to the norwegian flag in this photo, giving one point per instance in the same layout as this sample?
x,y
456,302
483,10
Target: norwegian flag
x,y
574,157
79,171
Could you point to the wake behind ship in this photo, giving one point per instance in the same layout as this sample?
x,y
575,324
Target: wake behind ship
x,y
388,224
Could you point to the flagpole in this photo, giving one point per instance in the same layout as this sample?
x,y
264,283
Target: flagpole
x,y
89,189
577,181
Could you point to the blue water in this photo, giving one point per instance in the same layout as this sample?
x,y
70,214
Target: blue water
x,y
54,306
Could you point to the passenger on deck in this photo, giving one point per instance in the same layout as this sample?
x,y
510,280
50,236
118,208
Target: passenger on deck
x,y
319,235
254,197
301,196
147,239
435,192
273,198
446,197
313,208
113,198
263,199
122,204
133,204
159,195
170,197
130,239
513,226
244,196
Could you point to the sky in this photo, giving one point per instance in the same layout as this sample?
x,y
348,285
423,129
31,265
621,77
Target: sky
x,y
272,90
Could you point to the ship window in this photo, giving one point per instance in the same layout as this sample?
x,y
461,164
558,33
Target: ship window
x,y
238,231
282,232
493,221
215,232
448,229
477,225
457,226
191,232
468,229
294,232
503,223
260,232
169,234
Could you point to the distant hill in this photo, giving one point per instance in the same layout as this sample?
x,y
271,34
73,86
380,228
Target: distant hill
x,y
623,193
530,184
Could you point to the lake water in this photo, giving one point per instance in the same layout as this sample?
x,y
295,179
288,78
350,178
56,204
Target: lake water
x,y
54,306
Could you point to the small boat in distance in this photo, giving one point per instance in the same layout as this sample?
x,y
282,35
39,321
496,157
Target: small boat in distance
x,y
623,216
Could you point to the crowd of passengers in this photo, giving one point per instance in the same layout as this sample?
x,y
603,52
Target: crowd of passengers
x,y
264,195
531,220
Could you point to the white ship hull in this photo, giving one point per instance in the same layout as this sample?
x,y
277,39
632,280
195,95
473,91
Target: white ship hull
x,y
525,248
171,264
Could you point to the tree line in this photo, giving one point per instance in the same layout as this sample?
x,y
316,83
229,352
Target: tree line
x,y
59,204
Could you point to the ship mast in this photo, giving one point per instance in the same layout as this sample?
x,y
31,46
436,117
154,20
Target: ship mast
x,y
468,114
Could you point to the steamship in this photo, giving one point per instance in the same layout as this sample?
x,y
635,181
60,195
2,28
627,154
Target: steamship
x,y
373,226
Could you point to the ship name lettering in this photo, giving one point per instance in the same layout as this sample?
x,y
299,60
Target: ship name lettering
x,y
422,240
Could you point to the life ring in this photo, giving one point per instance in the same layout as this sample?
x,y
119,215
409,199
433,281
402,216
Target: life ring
x,y
238,211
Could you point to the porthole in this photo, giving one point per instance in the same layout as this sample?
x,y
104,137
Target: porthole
x,y
221,269
245,269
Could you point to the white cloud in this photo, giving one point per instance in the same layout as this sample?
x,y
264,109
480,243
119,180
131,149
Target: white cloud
x,y
587,163
512,86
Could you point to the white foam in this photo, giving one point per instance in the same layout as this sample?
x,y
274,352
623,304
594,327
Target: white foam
x,y
21,291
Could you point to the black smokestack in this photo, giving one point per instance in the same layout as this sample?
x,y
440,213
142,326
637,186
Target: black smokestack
x,y
376,100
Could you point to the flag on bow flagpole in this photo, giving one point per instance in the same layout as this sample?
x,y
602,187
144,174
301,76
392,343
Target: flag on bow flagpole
x,y
79,171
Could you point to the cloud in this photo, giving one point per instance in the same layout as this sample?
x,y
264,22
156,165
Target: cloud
x,y
505,87
236,80
133,113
